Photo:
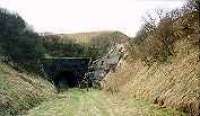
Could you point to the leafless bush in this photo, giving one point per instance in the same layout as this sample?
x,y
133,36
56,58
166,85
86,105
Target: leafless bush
x,y
154,42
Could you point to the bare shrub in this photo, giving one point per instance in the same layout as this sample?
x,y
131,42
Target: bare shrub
x,y
154,42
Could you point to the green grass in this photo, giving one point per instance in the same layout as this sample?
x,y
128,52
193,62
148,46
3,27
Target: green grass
x,y
77,102
19,91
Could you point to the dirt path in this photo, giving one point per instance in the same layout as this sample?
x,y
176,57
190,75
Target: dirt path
x,y
96,103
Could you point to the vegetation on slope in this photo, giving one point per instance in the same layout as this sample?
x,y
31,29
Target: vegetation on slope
x,y
19,45
88,37
95,45
20,53
163,62
154,42
20,91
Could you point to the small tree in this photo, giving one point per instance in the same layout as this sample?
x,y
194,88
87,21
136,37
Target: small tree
x,y
18,43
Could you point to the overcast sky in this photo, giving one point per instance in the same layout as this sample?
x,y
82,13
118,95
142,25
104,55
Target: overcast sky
x,y
69,16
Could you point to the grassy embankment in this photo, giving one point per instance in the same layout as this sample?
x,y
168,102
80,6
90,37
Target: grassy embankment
x,y
20,91
172,82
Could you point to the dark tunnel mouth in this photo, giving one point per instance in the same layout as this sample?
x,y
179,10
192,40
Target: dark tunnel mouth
x,y
67,79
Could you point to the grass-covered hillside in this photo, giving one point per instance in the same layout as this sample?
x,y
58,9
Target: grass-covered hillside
x,y
91,44
21,91
21,51
163,62
89,37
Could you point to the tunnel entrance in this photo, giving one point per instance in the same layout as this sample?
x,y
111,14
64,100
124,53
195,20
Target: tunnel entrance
x,y
65,72
67,79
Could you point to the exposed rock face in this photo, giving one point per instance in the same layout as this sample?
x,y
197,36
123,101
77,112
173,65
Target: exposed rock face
x,y
99,68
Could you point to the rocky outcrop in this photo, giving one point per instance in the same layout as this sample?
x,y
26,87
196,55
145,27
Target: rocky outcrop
x,y
102,66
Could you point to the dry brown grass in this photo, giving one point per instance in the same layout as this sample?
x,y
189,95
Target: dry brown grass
x,y
175,84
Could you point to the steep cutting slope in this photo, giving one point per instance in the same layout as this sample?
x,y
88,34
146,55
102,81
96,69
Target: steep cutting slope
x,y
20,91
175,83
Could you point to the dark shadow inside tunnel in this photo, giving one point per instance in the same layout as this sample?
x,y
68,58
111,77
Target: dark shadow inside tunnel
x,y
66,79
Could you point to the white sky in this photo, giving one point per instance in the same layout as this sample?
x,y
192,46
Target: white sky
x,y
69,16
